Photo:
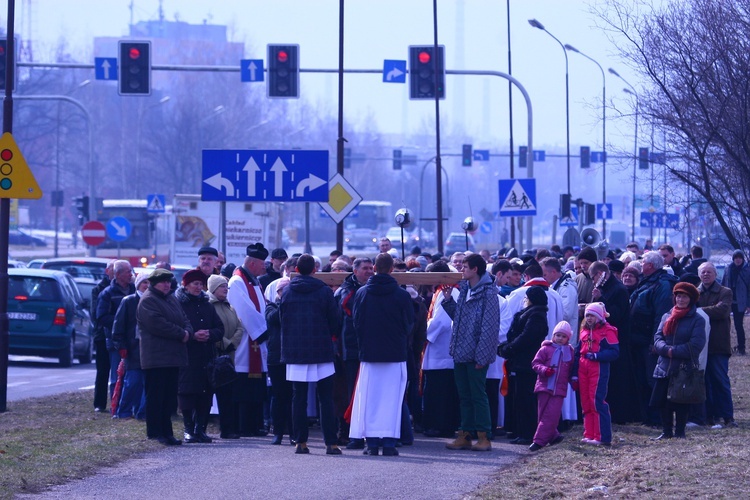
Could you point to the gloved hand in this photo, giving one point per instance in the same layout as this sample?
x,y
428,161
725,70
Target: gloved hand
x,y
549,371
574,384
590,355
123,353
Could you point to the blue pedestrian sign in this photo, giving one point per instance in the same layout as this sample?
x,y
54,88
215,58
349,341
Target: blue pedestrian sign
x,y
539,155
598,157
486,227
155,204
517,197
264,175
481,155
571,221
251,70
603,210
118,228
394,71
105,68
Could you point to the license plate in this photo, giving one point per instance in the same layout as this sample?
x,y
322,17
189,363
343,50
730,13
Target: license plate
x,y
22,316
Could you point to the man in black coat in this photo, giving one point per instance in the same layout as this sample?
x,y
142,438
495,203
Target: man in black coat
x,y
102,356
383,318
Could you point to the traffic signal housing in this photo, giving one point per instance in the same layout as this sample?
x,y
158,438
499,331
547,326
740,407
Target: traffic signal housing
x,y
135,68
422,67
523,156
397,155
643,162
283,71
585,156
466,155
81,203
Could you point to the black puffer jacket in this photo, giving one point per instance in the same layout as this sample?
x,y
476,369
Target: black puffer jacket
x,y
345,297
123,331
309,321
202,316
527,331
273,330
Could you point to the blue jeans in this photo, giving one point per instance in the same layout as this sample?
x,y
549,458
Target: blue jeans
x,y
718,388
114,362
133,399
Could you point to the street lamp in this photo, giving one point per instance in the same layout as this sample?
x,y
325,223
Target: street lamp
x,y
604,136
538,25
138,143
632,92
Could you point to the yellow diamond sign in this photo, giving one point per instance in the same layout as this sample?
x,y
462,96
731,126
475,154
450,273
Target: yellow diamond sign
x,y
16,179
342,198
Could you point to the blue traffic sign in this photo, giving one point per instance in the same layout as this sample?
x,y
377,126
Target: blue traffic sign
x,y
571,221
486,227
105,68
481,155
118,228
394,71
251,70
264,175
603,210
598,157
155,204
517,197
539,155
660,220
673,221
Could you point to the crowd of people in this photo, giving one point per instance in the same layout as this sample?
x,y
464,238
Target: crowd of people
x,y
522,347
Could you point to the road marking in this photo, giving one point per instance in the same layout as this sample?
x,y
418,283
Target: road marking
x,y
16,384
86,388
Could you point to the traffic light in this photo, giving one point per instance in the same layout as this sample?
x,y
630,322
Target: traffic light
x,y
565,206
135,68
422,67
466,155
523,155
396,159
82,206
585,156
589,214
283,71
643,158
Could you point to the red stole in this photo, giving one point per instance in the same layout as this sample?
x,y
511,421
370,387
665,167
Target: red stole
x,y
256,360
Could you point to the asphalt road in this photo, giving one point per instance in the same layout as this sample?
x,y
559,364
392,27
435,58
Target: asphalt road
x,y
31,377
253,468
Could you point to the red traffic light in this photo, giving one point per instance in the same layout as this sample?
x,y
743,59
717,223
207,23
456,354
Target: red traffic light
x,y
424,57
282,56
134,53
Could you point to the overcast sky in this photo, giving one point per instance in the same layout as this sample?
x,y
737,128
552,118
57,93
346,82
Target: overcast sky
x,y
473,31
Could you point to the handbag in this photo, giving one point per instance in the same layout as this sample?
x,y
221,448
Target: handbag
x,y
221,371
687,385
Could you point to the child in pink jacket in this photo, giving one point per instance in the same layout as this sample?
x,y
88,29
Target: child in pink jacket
x,y
553,364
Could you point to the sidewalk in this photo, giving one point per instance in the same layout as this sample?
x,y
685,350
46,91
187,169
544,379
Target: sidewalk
x,y
253,468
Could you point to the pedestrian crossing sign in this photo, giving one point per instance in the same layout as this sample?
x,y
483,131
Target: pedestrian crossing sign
x,y
517,197
155,204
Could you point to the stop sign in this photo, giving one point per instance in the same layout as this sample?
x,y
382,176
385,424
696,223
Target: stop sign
x,y
93,233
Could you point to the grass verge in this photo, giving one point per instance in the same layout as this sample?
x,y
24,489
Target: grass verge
x,y
710,463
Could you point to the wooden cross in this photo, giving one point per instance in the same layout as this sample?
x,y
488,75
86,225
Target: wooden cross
x,y
336,279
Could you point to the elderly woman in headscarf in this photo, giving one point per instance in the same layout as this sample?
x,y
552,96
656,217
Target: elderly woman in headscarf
x,y
679,339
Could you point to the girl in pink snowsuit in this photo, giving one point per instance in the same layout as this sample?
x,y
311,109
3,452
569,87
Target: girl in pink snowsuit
x,y
553,364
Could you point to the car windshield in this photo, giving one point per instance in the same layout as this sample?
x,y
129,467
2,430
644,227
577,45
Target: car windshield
x,y
33,288
77,270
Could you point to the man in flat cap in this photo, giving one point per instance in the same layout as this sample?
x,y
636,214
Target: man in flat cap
x,y
273,268
246,296
207,259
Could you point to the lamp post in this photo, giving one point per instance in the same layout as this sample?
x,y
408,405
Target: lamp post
x,y
538,25
138,143
632,92
604,135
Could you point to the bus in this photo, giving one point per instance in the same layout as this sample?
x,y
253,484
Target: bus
x,y
366,224
149,235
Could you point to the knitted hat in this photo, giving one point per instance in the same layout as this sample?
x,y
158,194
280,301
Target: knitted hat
x,y
210,250
564,327
616,266
160,275
215,281
139,279
279,253
631,270
536,296
597,310
687,289
588,254
257,250
194,275
738,253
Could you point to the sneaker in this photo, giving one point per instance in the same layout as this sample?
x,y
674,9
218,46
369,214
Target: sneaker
x,y
692,425
717,426
586,440
594,442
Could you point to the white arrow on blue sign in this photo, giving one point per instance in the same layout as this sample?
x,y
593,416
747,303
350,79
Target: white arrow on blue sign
x,y
598,156
394,71
118,228
105,68
251,70
264,175
603,210
539,155
486,227
481,155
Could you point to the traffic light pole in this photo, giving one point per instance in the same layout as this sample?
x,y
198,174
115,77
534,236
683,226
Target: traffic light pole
x,y
236,69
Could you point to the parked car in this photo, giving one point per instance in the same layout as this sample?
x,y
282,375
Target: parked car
x,y
36,263
18,237
79,267
47,316
456,242
178,270
85,286
12,263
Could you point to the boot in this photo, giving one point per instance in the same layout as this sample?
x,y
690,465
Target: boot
x,y
200,431
189,436
462,442
483,444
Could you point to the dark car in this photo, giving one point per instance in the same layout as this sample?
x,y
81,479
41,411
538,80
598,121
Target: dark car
x,y
79,267
18,237
85,286
48,317
456,242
